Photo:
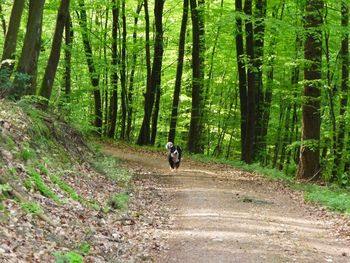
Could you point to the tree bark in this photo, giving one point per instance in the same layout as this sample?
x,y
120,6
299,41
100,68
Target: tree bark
x,y
344,53
132,73
51,68
25,79
179,69
123,75
309,164
145,132
251,92
94,76
242,78
69,34
195,143
115,61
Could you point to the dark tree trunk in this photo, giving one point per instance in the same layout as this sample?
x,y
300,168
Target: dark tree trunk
x,y
94,76
145,132
132,74
259,30
309,164
25,79
51,68
344,53
115,61
12,32
123,76
242,77
69,34
2,20
251,93
179,69
8,54
195,143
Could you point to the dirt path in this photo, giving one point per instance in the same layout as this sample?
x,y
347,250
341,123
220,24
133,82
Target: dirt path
x,y
224,215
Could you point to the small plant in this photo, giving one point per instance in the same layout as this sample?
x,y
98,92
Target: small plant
x,y
4,189
69,257
65,187
32,208
27,154
84,248
109,167
41,186
119,201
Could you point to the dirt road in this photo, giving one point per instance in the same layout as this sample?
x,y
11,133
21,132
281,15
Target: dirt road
x,y
225,215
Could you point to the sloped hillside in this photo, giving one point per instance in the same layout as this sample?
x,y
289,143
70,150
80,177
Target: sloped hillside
x,y
61,201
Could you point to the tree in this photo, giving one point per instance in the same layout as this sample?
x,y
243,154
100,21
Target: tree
x,y
94,76
51,68
309,164
26,75
155,78
195,143
179,69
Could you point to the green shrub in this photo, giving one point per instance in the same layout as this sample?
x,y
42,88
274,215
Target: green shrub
x,y
119,201
69,257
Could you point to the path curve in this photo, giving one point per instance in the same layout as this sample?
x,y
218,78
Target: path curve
x,y
224,215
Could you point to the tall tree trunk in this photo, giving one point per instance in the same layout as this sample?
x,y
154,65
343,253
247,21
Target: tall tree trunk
x,y
309,164
12,32
25,79
2,20
51,68
242,78
251,92
179,69
115,61
145,132
9,50
123,75
195,142
94,76
344,53
132,73
259,31
69,34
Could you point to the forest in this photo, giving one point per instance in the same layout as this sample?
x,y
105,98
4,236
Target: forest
x,y
258,81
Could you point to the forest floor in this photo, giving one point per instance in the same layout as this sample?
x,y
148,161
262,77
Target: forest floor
x,y
219,214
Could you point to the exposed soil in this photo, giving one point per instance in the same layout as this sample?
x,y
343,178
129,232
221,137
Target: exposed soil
x,y
219,214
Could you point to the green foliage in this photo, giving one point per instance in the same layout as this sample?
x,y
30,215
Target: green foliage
x,y
119,201
41,186
65,187
332,197
4,189
110,167
69,257
84,248
27,154
32,208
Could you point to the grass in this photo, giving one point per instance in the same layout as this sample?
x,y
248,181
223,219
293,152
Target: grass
x,y
69,257
32,208
119,201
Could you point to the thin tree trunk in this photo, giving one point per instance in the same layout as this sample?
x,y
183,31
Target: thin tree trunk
x,y
344,86
179,69
94,76
195,143
69,34
145,131
309,164
12,32
2,20
115,61
123,75
26,75
242,77
51,68
132,74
